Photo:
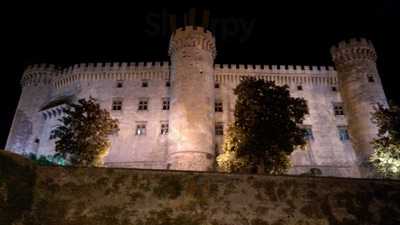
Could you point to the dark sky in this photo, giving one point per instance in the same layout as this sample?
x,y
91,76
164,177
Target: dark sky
x,y
284,33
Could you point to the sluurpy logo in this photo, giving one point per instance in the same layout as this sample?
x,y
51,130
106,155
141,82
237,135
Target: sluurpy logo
x,y
231,28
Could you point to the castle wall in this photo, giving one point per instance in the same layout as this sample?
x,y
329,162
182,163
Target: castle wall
x,y
340,105
326,151
36,195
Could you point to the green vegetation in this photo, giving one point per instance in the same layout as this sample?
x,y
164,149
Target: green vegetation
x,y
83,135
386,157
48,160
266,129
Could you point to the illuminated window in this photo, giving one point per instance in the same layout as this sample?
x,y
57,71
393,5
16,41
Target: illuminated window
x,y
141,129
338,109
219,129
120,84
145,83
164,128
143,104
343,133
218,106
117,104
165,104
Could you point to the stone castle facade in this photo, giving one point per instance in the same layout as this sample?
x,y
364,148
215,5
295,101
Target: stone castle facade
x,y
173,115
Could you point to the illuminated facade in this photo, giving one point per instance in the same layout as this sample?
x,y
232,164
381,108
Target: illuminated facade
x,y
173,114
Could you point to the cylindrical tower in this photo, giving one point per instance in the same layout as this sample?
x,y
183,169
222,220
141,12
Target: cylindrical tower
x,y
25,129
191,121
361,89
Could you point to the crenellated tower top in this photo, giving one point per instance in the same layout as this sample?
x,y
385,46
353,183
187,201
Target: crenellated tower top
x,y
38,74
191,36
353,50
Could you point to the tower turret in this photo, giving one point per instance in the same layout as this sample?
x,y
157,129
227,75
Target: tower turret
x,y
361,89
191,137
26,126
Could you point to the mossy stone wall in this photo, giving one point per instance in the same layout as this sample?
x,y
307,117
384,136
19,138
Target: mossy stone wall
x,y
100,196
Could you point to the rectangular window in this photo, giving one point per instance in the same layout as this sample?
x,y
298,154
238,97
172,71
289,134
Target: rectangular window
x,y
168,83
334,89
165,104
120,84
338,109
218,106
343,133
143,104
117,105
216,85
145,83
219,129
309,134
371,79
164,128
299,87
141,129
52,135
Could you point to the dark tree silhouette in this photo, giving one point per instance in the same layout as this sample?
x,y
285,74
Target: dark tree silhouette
x,y
266,130
83,134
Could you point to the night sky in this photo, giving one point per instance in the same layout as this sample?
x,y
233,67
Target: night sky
x,y
285,33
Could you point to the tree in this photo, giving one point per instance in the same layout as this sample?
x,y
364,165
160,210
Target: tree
x,y
48,160
386,156
266,129
83,134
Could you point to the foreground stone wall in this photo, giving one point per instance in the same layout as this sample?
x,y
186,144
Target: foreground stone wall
x,y
97,196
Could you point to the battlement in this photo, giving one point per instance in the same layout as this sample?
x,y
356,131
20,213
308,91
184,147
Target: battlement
x,y
114,66
191,36
353,49
38,74
46,73
280,74
41,67
354,42
274,69
184,31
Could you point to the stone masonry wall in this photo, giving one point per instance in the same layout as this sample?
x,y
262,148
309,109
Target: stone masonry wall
x,y
102,196
325,151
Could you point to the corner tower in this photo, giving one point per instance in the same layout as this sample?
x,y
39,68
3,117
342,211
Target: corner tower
x,y
361,89
191,121
27,123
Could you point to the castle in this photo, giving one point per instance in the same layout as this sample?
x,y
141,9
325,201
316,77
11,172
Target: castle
x,y
173,115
